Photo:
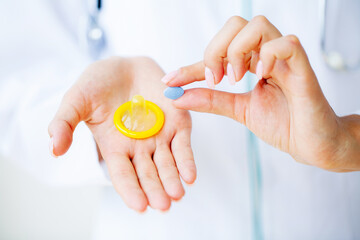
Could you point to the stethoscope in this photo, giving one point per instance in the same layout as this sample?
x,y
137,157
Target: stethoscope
x,y
334,58
95,39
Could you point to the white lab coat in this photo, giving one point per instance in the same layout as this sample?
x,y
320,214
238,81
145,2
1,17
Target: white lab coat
x,y
41,58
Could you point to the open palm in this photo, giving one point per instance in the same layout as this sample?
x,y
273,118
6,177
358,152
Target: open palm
x,y
144,172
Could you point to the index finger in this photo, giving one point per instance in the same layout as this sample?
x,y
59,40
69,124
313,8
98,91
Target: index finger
x,y
185,75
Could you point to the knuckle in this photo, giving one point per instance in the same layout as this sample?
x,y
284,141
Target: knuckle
x,y
186,162
210,54
266,51
234,52
147,175
293,39
123,173
171,178
237,114
235,20
144,59
165,165
183,71
235,108
266,48
210,62
211,102
260,19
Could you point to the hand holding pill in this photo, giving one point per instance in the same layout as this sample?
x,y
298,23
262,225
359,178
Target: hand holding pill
x,y
287,107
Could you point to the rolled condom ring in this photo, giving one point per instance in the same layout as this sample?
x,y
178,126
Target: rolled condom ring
x,y
139,118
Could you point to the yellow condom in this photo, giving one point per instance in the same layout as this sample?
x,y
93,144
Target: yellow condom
x,y
139,118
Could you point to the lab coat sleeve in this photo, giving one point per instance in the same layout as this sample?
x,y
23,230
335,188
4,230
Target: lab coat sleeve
x,y
28,101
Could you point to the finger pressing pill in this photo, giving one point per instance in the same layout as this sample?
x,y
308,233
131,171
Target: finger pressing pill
x,y
173,92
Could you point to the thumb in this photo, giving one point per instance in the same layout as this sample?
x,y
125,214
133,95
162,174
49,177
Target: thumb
x,y
217,102
61,128
185,75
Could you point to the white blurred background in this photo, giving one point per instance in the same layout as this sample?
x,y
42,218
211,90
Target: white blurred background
x,y
31,210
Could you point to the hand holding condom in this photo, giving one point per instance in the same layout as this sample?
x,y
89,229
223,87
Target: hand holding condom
x,y
287,108
143,171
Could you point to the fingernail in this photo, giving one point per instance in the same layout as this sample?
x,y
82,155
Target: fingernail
x,y
51,147
230,74
210,79
259,69
168,77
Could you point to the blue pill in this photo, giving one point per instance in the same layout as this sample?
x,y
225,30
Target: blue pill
x,y
173,92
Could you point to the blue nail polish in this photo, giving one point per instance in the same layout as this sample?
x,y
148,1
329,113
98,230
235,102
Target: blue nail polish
x,y
173,92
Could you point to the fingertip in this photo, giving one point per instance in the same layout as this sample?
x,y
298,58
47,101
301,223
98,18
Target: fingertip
x,y
141,211
165,210
162,203
178,82
241,73
169,77
60,138
138,203
230,74
219,74
51,147
174,83
189,175
166,206
187,74
190,183
210,78
187,170
177,199
175,192
62,144
140,207
236,69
